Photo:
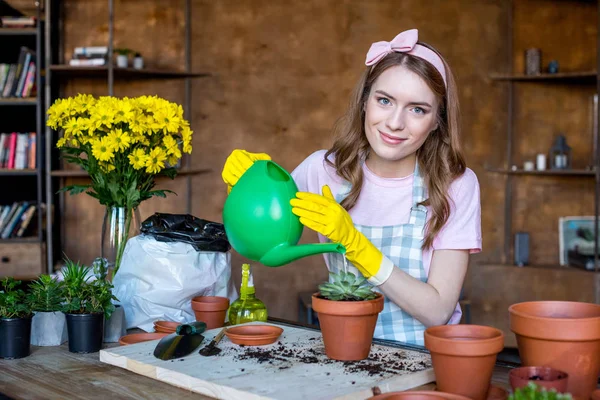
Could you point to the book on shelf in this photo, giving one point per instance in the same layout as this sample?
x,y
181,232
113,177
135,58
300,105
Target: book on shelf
x,y
18,150
16,219
93,56
18,79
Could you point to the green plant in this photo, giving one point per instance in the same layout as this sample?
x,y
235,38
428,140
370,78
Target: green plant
x,y
346,286
83,296
533,392
123,51
46,294
12,300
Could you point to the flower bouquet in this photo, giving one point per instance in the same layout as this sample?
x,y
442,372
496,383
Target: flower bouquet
x,y
123,144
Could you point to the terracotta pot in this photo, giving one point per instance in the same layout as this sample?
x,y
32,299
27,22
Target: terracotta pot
x,y
253,335
347,326
564,335
545,377
463,357
211,310
166,326
418,395
140,337
596,395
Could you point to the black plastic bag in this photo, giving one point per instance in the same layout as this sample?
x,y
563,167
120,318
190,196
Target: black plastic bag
x,y
201,234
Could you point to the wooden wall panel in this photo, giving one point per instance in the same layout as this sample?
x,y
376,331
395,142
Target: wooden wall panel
x,y
282,73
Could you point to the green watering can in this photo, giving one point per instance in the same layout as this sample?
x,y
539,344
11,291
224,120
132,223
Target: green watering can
x,y
258,218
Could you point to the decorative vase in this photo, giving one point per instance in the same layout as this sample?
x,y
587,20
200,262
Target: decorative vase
x,y
211,310
48,329
347,326
563,335
463,357
120,223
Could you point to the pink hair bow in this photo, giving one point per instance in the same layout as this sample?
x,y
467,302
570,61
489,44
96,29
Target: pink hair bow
x,y
405,42
402,43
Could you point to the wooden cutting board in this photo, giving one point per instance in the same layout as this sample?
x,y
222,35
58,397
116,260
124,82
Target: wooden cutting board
x,y
294,367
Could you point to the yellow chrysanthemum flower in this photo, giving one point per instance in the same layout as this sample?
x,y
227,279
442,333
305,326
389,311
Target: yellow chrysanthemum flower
x,y
82,103
119,140
107,167
102,149
102,117
173,160
187,147
124,111
61,142
170,144
138,158
155,161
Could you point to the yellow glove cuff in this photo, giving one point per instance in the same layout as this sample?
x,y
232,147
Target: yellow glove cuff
x,y
369,260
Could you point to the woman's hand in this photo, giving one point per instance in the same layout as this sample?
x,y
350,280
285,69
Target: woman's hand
x,y
323,214
237,163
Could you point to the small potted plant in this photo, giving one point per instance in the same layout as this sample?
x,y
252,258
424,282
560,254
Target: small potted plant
x,y
534,392
87,304
48,326
138,61
122,57
347,301
115,326
15,320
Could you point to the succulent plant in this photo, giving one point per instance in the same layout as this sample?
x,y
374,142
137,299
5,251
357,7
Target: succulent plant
x,y
345,286
533,392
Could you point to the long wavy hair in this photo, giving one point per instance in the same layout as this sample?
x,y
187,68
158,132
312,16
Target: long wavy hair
x,y
440,157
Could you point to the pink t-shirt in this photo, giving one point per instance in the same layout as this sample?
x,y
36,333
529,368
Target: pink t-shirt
x,y
387,201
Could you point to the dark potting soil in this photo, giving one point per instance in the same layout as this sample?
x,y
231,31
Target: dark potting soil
x,y
283,356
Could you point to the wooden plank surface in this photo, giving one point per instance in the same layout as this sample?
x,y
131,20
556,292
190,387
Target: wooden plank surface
x,y
295,367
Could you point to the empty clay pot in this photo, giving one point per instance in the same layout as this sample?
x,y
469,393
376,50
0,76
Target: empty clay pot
x,y
347,326
564,335
545,377
211,310
463,357
596,394
418,395
166,326
140,337
253,335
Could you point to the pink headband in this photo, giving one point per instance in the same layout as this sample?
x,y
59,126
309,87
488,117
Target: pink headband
x,y
405,42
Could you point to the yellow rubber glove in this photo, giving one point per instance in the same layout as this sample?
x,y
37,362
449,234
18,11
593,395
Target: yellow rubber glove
x,y
237,163
326,216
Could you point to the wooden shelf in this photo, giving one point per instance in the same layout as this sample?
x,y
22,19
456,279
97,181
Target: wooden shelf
x,y
588,76
540,267
30,239
17,172
81,173
548,172
15,101
129,73
18,31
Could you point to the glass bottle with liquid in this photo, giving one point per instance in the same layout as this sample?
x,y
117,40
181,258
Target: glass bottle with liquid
x,y
247,307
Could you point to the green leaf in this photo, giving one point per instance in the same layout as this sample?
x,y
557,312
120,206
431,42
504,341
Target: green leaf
x,y
74,189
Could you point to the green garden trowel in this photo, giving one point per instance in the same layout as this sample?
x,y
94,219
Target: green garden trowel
x,y
184,341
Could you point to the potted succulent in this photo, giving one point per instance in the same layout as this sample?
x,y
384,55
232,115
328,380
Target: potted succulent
x,y
347,308
534,392
15,320
123,57
138,61
115,326
546,377
45,298
87,304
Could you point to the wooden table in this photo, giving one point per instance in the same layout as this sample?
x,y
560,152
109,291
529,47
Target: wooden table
x,y
55,373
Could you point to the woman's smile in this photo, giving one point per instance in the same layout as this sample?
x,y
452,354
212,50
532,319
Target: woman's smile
x,y
391,139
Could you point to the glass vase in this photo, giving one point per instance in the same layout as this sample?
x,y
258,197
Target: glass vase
x,y
120,223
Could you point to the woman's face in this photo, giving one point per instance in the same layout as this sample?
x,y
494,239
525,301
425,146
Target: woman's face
x,y
400,112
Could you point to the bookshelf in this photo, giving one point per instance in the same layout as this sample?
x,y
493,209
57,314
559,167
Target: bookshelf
x,y
23,246
59,74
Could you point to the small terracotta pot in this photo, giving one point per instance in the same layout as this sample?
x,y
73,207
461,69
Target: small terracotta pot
x,y
564,335
211,310
545,377
166,326
347,326
596,395
140,337
253,335
418,395
463,357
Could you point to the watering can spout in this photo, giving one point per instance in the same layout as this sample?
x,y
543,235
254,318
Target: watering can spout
x,y
286,253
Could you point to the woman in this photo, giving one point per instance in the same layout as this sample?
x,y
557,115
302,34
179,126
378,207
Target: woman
x,y
394,188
